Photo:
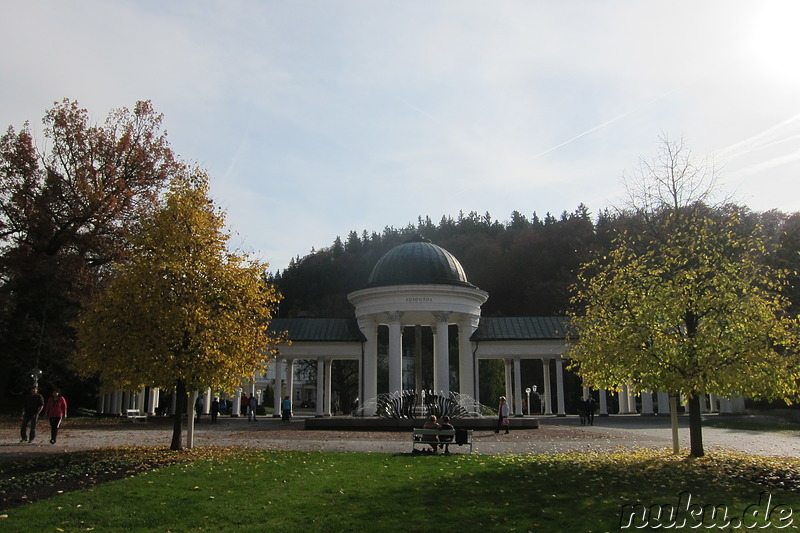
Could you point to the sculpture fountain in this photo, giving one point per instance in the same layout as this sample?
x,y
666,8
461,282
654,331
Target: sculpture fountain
x,y
410,404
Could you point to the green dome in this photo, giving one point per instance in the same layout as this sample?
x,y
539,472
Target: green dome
x,y
418,262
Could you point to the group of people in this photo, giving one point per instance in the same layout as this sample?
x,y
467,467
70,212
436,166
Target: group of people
x,y
586,408
442,441
220,405
55,409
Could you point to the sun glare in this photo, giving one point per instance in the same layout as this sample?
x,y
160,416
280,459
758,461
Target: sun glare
x,y
775,41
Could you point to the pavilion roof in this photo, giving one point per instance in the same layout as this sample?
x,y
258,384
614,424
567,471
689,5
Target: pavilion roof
x,y
319,329
521,328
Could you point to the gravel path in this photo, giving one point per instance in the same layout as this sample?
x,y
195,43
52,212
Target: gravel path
x,y
554,435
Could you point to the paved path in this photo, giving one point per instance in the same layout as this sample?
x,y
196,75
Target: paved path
x,y
554,435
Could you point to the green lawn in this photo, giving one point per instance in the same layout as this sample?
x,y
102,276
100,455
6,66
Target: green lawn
x,y
241,490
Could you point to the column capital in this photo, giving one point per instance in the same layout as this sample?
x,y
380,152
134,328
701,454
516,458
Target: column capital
x,y
394,316
367,322
471,321
441,316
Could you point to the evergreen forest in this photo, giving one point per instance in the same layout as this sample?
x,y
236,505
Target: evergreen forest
x,y
526,263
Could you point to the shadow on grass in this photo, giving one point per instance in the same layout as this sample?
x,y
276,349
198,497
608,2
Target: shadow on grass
x,y
245,490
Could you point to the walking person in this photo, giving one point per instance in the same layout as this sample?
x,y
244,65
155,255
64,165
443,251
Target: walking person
x,y
590,407
502,415
214,410
286,409
56,411
198,408
34,403
252,405
223,406
582,414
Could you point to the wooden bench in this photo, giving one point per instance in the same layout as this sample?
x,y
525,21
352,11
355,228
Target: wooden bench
x,y
426,437
132,415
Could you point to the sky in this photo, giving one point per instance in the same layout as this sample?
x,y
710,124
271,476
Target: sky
x,y
316,118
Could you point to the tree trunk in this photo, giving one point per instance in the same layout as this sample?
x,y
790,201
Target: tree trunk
x,y
180,408
695,427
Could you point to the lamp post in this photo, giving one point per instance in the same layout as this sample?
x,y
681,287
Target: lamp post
x,y
528,392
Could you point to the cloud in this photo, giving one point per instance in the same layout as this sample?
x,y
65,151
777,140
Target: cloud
x,y
318,118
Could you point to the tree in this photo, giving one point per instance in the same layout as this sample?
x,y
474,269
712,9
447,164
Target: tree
x,y
184,312
690,308
66,212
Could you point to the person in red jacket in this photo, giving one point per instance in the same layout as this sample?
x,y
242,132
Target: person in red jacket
x,y
55,410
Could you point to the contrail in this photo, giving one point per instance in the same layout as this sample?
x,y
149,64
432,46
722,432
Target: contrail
x,y
615,119
758,140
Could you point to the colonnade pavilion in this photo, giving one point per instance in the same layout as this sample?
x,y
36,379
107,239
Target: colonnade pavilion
x,y
419,284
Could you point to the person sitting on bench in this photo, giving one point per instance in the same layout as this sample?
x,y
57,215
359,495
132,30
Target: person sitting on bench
x,y
446,439
431,423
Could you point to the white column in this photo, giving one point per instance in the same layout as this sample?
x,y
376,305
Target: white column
x,y
725,406
663,403
509,389
603,402
517,387
140,400
631,400
152,401
107,403
290,379
560,386
441,355
647,404
328,387
190,425
116,402
237,402
369,376
320,385
712,401
548,397
738,404
206,401
476,367
467,375
277,389
623,399
395,352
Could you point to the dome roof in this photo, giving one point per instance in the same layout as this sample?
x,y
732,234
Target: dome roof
x,y
418,262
